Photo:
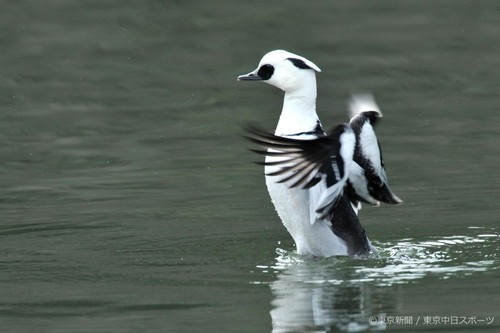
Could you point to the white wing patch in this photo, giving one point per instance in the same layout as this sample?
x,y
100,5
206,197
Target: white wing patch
x,y
369,146
358,181
331,194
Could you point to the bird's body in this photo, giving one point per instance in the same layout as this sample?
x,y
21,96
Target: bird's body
x,y
292,206
316,180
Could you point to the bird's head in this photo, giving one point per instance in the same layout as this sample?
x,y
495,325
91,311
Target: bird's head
x,y
283,69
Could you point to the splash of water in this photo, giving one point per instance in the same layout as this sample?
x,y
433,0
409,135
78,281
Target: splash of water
x,y
406,260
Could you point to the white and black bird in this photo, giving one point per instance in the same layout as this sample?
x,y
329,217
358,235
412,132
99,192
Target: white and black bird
x,y
317,180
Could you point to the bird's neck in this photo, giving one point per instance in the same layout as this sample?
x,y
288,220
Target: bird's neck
x,y
299,110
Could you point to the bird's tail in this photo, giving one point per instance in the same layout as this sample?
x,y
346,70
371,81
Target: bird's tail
x,y
362,102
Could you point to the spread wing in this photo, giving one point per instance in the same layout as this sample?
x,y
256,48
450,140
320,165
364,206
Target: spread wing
x,y
368,176
347,160
324,162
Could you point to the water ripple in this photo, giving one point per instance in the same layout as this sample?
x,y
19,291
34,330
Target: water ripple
x,y
342,293
403,261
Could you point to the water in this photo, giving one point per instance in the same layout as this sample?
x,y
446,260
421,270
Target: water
x,y
130,204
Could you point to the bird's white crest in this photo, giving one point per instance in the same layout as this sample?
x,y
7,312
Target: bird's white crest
x,y
277,56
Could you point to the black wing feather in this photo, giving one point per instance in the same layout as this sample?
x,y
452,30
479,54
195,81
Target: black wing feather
x,y
306,160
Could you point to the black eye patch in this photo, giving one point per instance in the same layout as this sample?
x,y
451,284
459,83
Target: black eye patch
x,y
265,72
299,63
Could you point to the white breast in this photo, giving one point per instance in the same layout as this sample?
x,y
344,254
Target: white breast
x,y
292,206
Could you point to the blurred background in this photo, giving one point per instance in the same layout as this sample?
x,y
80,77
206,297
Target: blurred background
x,y
130,203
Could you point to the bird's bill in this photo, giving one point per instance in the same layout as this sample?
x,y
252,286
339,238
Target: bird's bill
x,y
252,76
